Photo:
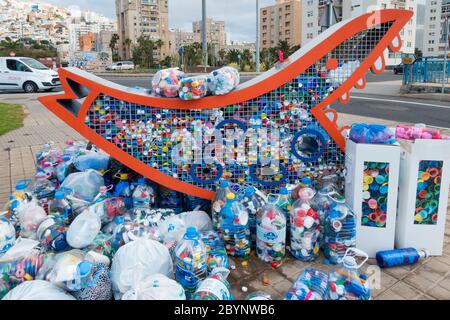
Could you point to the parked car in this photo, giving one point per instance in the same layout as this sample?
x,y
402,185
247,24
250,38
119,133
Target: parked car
x,y
398,69
27,74
121,65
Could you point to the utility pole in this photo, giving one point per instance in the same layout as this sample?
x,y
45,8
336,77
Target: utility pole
x,y
257,36
330,13
204,43
446,38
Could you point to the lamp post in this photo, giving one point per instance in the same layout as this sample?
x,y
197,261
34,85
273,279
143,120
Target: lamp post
x,y
446,39
257,36
204,43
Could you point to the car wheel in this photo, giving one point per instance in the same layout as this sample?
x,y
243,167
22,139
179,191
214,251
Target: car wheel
x,y
30,87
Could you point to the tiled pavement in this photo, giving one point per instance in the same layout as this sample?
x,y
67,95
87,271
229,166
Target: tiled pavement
x,y
429,279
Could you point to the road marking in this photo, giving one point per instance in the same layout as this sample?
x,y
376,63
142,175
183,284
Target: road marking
x,y
403,101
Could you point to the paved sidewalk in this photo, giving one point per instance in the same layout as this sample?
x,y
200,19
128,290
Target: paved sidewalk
x,y
429,279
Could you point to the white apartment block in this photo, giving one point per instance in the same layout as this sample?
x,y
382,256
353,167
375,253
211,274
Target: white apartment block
x,y
434,33
354,8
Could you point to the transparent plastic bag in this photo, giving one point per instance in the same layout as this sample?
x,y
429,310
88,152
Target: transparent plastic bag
x,y
37,290
137,260
155,287
84,185
198,219
91,160
30,214
371,133
166,82
223,80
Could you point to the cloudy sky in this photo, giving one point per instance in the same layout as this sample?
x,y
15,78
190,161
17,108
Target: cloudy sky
x,y
239,15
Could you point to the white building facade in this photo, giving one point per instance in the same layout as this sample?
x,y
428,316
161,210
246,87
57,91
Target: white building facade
x,y
354,8
434,27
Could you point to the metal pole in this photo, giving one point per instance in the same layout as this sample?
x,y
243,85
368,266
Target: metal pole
x,y
444,79
257,36
204,43
330,13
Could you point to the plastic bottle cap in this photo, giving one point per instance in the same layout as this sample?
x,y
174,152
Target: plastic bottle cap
x,y
249,191
84,267
191,233
66,157
284,191
306,180
59,195
21,185
119,219
230,196
223,183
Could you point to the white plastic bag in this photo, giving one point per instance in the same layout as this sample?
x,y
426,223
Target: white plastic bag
x,y
37,290
83,229
156,287
172,229
84,185
137,260
30,214
22,248
198,219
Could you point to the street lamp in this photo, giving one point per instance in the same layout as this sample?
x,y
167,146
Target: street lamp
x,y
204,44
257,36
446,39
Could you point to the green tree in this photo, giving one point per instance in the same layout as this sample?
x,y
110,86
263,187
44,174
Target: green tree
x,y
143,52
10,44
418,53
193,54
233,55
113,46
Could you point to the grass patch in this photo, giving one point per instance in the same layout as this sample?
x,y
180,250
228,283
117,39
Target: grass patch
x,y
11,117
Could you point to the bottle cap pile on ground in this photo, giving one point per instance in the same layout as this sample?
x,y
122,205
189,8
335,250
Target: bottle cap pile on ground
x,y
90,228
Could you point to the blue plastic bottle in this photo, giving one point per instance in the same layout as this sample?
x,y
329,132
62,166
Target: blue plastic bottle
x,y
190,261
400,257
123,189
234,228
62,169
219,202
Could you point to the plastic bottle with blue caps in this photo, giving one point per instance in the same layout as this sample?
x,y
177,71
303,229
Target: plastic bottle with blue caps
x,y
339,229
234,228
345,282
60,207
400,257
43,189
271,234
143,195
83,276
305,227
219,201
305,182
190,261
20,195
311,284
215,286
321,203
123,189
252,200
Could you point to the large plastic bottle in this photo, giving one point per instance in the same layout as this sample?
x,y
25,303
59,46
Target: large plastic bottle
x,y
214,287
62,169
253,200
190,261
271,234
234,228
123,189
345,282
219,202
400,257
305,232
321,203
143,195
60,207
311,284
339,229
43,189
20,195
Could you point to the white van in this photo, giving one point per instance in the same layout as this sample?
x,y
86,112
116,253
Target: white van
x,y
27,74
121,65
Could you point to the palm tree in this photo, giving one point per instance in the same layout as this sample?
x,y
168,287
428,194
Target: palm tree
x,y
128,45
222,53
8,43
233,55
113,43
285,47
193,54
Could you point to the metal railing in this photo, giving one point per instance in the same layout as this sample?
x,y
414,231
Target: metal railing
x,y
427,70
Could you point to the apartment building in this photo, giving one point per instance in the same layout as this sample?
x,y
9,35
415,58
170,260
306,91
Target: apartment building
x,y
354,8
148,18
179,38
215,32
434,31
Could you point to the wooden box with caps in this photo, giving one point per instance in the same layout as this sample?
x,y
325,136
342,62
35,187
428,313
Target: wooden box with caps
x,y
371,187
423,194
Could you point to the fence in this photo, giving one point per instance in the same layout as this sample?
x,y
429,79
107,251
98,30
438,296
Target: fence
x,y
427,70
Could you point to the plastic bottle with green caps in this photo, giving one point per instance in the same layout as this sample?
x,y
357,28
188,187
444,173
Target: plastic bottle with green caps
x,y
234,228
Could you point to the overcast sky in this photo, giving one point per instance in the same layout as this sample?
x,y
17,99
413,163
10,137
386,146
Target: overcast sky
x,y
239,15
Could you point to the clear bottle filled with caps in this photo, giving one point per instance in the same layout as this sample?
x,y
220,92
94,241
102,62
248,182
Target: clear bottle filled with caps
x,y
339,229
252,200
271,234
345,281
305,227
190,261
234,228
215,286
219,201
321,203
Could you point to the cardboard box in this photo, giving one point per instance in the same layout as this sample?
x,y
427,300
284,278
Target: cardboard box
x,y
371,187
423,197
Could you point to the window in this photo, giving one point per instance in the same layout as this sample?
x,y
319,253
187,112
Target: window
x,y
264,12
430,49
430,41
309,36
310,2
409,44
309,14
15,65
287,32
410,33
287,24
264,19
288,7
310,24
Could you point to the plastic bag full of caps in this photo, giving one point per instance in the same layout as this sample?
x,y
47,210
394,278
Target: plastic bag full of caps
x,y
311,284
371,133
193,88
418,131
223,80
166,82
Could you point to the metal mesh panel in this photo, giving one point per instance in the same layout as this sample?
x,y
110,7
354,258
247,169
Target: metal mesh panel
x,y
276,123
